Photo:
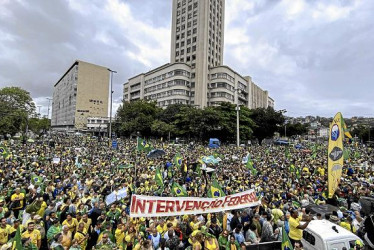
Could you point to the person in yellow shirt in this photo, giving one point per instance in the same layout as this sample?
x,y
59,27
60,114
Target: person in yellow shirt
x,y
162,228
119,234
71,222
86,221
17,200
81,236
5,231
66,237
296,230
32,234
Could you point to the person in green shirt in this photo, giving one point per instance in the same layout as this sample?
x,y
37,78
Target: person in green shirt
x,y
222,240
232,244
54,230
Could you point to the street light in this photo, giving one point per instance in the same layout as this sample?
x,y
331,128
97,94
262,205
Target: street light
x,y
49,103
111,102
237,117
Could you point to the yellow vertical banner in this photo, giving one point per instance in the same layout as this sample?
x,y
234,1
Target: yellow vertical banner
x,y
335,153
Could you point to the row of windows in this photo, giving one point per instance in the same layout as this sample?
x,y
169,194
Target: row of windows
x,y
167,85
177,72
174,101
170,93
222,85
222,76
222,94
135,94
188,43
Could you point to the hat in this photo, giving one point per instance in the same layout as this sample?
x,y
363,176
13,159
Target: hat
x,y
37,217
334,219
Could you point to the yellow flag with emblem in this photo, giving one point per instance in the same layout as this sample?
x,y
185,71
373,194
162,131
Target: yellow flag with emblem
x,y
335,153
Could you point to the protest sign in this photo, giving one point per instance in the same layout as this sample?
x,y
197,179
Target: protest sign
x,y
150,206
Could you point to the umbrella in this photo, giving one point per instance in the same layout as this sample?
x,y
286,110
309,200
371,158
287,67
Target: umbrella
x,y
156,153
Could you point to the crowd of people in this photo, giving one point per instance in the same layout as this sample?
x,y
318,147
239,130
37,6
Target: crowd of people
x,y
53,193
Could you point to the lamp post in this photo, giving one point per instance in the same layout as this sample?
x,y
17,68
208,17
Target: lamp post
x,y
237,118
111,102
49,103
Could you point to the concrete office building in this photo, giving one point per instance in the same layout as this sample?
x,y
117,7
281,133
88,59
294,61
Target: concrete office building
x,y
196,74
82,92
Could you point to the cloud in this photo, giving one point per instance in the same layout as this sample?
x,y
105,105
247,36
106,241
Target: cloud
x,y
314,57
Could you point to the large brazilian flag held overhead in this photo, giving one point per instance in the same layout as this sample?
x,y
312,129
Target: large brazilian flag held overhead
x,y
335,153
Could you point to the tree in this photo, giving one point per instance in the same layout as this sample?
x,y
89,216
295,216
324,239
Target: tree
x,y
39,126
227,122
267,122
16,106
137,116
162,129
294,129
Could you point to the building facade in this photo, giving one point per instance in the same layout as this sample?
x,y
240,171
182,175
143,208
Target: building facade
x,y
82,92
196,74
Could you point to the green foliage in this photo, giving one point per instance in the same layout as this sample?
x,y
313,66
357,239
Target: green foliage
x,y
362,132
267,122
39,126
294,129
191,122
15,106
133,117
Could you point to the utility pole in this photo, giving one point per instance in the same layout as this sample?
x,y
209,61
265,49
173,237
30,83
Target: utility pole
x,y
111,103
49,103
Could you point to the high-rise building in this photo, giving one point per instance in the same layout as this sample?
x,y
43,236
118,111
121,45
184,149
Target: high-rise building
x,y
82,92
196,74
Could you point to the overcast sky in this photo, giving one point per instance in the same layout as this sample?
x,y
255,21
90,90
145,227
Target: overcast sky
x,y
314,57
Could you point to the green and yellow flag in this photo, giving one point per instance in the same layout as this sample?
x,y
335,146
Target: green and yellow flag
x,y
17,243
335,153
178,190
4,151
286,243
142,145
215,190
178,160
158,177
36,180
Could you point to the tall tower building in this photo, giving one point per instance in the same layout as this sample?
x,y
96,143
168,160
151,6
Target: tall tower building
x,y
197,39
196,74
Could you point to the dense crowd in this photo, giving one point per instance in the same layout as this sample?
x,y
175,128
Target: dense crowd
x,y
61,203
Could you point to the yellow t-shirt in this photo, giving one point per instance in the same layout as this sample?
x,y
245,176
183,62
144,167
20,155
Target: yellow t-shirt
x,y
20,196
42,209
119,235
4,233
34,236
72,225
86,224
79,236
295,233
162,229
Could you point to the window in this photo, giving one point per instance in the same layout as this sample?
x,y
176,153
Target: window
x,y
309,238
177,45
177,38
194,39
193,48
188,50
194,31
188,41
182,52
182,43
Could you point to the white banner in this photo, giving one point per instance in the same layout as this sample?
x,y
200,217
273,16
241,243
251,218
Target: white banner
x,y
152,206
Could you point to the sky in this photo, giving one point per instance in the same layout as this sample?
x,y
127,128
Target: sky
x,y
315,57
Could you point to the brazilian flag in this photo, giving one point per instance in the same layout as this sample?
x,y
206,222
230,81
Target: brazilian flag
x,y
346,154
17,242
286,243
215,190
249,165
142,145
4,151
158,178
178,190
36,180
178,160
